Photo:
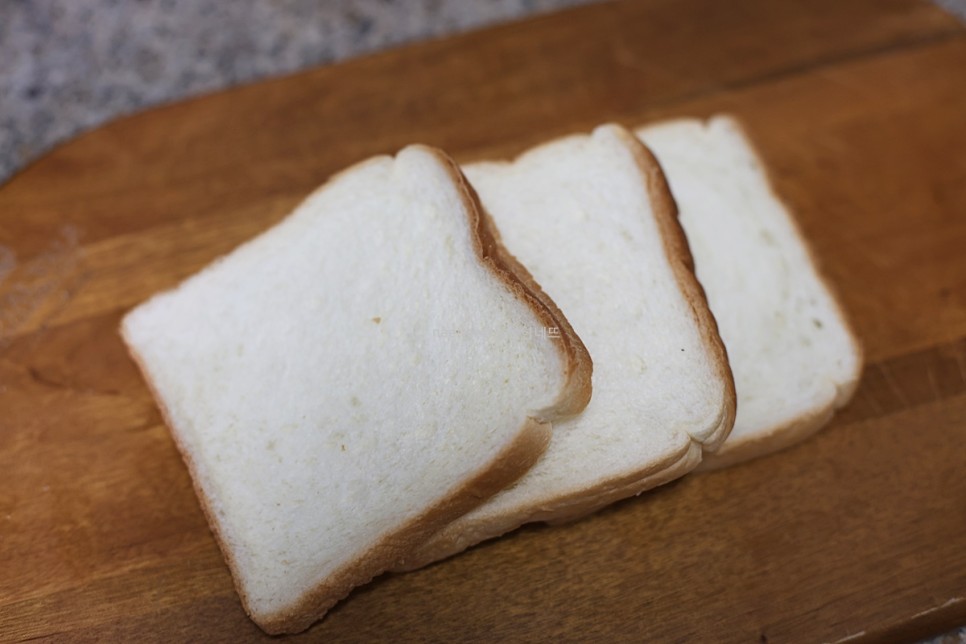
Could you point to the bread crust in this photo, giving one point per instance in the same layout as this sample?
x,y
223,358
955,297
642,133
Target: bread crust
x,y
770,441
512,462
564,510
630,486
795,430
784,435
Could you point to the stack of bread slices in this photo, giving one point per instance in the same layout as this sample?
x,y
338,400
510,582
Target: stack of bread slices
x,y
422,356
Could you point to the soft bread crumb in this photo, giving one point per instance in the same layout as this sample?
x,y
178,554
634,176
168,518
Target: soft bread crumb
x,y
333,443
591,218
794,358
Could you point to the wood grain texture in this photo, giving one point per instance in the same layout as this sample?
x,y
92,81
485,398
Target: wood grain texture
x,y
858,110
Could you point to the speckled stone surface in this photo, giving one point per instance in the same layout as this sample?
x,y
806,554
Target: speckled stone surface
x,y
70,65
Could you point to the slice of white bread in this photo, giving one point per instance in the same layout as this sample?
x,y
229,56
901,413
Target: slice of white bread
x,y
592,219
794,358
354,378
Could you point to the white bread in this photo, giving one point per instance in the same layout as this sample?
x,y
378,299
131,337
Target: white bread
x,y
353,379
591,218
794,358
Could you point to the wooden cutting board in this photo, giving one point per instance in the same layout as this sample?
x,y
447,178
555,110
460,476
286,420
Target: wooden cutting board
x,y
859,109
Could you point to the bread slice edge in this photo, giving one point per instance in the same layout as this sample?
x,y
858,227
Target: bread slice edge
x,y
558,511
516,457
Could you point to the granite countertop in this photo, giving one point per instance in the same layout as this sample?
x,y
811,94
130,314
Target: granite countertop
x,y
69,65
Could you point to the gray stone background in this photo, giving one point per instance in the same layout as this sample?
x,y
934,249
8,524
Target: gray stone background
x,y
69,65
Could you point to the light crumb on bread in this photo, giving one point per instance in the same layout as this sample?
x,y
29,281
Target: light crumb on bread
x,y
592,219
334,442
794,357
